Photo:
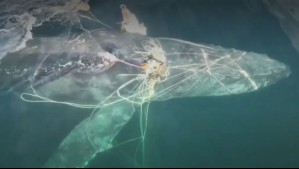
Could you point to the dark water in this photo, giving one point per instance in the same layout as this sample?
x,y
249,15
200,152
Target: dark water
x,y
258,129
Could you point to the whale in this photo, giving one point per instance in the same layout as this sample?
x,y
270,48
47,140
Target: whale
x,y
113,75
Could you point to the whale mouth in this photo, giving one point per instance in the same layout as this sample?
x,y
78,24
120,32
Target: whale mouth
x,y
278,72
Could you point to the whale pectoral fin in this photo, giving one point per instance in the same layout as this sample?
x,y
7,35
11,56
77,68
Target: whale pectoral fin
x,y
91,136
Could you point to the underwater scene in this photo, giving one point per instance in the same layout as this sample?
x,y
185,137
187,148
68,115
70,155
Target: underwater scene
x,y
136,83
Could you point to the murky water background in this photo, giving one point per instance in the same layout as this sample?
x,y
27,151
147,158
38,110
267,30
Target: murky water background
x,y
258,129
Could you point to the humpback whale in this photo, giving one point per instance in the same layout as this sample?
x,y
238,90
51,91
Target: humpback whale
x,y
114,74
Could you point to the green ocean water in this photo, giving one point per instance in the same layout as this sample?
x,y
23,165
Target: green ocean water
x,y
258,129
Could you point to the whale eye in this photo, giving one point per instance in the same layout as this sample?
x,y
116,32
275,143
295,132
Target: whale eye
x,y
109,47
